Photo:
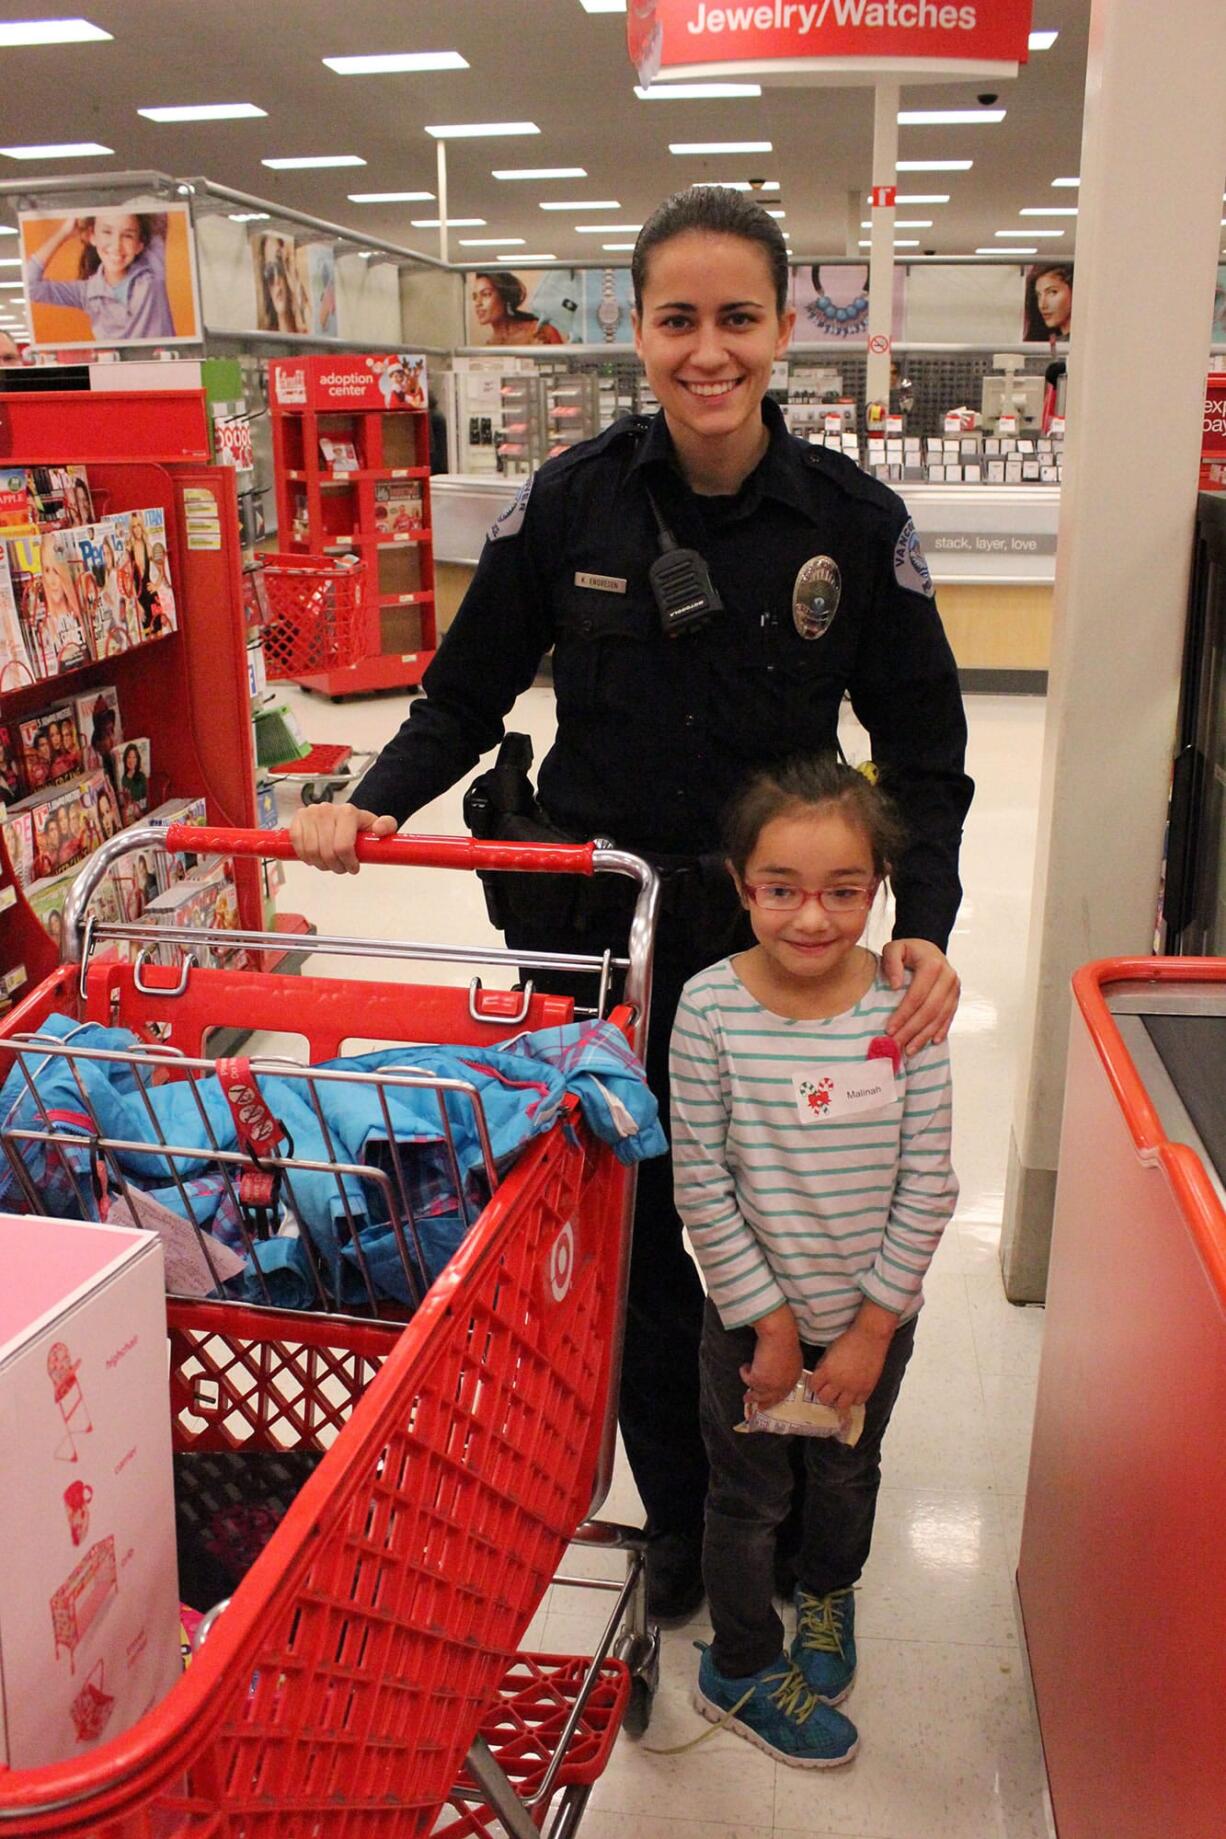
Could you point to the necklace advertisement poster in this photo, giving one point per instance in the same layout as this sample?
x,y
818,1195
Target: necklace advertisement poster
x,y
831,301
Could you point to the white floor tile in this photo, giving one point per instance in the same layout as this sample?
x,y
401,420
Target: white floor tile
x,y
938,1569
1007,1338
947,1751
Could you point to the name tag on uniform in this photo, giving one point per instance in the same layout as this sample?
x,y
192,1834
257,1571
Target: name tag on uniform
x,y
604,584
844,1092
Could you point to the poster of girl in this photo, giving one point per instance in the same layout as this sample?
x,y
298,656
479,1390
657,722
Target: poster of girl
x,y
125,277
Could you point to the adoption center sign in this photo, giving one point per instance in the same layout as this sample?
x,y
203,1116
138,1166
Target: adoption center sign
x,y
673,38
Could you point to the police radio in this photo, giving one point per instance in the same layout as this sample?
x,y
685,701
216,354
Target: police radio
x,y
681,583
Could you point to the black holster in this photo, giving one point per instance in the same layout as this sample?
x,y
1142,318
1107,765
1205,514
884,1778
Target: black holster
x,y
501,806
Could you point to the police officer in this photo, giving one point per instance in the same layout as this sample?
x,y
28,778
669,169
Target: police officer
x,y
792,577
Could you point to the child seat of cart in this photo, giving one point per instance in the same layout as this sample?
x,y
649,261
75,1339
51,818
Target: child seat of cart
x,y
402,1146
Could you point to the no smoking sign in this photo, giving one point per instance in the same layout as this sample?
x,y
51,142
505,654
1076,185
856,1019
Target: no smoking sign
x,y
878,343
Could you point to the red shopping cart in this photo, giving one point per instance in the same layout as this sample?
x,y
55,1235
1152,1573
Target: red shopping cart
x,y
365,1677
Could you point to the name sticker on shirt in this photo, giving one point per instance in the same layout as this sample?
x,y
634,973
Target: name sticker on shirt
x,y
842,1092
604,584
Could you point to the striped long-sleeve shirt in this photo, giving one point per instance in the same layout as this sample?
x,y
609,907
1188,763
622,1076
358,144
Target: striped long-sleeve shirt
x,y
784,1201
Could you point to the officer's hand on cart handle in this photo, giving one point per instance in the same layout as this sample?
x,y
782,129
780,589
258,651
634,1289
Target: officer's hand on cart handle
x,y
929,1006
325,835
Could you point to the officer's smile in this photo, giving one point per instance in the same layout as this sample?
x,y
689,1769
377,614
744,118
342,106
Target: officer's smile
x,y
711,390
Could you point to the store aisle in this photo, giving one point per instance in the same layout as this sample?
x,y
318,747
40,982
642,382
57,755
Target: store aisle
x,y
948,1748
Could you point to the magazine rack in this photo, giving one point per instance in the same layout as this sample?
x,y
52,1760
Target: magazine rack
x,y
187,691
370,496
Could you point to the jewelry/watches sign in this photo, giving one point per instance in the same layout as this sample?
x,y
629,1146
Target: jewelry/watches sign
x,y
693,38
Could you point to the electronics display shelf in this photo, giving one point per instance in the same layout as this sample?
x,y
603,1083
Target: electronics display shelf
x,y
187,691
354,478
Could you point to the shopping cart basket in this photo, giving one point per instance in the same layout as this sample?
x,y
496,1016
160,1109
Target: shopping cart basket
x,y
365,1677
320,617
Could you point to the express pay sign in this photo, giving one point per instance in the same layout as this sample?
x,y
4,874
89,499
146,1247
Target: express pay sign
x,y
679,37
1213,436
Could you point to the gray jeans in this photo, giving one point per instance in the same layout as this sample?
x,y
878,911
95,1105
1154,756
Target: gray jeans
x,y
751,1489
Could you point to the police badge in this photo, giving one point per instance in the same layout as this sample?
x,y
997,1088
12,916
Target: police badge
x,y
815,596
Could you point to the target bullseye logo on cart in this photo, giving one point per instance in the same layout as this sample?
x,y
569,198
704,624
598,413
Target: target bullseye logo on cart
x,y
562,1262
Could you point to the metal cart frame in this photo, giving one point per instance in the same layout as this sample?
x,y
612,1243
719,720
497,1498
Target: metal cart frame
x,y
365,1678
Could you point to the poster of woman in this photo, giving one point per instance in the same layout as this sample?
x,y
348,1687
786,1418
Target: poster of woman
x,y
117,275
507,306
1047,312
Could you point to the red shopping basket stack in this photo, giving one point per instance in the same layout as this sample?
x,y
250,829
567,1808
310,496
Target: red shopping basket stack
x,y
318,618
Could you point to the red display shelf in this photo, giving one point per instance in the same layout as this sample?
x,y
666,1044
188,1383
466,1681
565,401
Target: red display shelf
x,y
47,428
186,691
341,398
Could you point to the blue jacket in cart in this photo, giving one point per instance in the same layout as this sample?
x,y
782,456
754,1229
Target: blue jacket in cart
x,y
521,1086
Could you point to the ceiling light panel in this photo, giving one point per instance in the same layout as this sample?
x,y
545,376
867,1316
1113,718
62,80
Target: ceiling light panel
x,y
492,242
623,247
982,251
479,130
1076,181
583,204
922,198
540,172
391,197
390,62
937,166
603,229
249,216
1034,232
453,223
1049,210
205,111
59,150
906,242
695,92
948,118
301,163
721,146
517,259
603,6
905,223
1042,41
18,32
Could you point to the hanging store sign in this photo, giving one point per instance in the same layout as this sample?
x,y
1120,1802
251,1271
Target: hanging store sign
x,y
831,38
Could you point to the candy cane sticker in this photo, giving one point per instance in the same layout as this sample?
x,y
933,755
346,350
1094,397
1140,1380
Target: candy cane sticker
x,y
562,1262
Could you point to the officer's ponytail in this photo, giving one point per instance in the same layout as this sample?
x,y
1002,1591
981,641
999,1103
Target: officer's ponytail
x,y
722,212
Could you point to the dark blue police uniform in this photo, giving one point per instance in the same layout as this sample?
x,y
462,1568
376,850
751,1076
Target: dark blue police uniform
x,y
654,734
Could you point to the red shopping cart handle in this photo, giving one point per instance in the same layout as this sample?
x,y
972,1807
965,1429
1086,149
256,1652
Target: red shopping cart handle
x,y
403,851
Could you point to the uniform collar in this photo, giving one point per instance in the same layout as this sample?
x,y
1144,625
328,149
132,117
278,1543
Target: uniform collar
x,y
781,473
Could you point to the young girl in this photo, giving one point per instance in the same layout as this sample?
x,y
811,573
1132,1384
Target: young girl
x,y
121,273
813,1177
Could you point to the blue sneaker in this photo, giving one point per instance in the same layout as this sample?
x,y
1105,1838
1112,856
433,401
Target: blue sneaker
x,y
775,1710
825,1644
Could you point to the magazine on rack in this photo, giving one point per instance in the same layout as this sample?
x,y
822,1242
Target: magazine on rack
x,y
101,730
12,780
15,666
43,568
50,748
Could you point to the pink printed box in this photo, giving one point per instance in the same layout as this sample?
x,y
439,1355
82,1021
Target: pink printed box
x,y
89,1610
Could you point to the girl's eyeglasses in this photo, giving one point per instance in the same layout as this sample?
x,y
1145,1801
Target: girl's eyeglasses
x,y
777,897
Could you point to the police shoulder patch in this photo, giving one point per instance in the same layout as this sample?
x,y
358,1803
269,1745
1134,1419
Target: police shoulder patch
x,y
910,569
511,521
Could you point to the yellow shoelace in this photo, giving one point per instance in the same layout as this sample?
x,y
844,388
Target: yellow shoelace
x,y
817,1626
794,1698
